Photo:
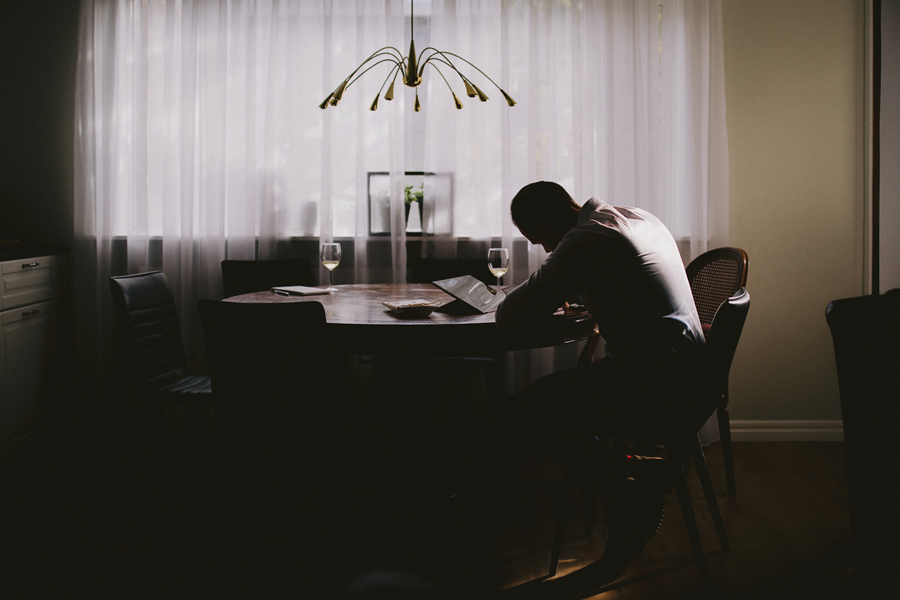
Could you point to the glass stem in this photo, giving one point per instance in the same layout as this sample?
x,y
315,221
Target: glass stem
x,y
331,279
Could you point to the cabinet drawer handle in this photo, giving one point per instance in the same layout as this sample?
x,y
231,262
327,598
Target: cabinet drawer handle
x,y
30,265
31,313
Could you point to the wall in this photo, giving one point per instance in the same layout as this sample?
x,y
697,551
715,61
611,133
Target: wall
x,y
38,53
890,146
38,50
794,73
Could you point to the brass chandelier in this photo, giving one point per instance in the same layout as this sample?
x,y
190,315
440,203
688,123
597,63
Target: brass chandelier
x,y
411,68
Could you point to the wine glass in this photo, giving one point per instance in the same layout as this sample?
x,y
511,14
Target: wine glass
x,y
331,258
498,263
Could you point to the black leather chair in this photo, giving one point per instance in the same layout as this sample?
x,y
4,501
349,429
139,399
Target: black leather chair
x,y
678,434
246,276
150,331
866,335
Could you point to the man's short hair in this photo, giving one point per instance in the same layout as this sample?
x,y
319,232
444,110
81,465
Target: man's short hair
x,y
542,204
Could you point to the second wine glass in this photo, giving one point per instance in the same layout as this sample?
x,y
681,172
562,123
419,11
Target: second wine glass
x,y
331,258
498,263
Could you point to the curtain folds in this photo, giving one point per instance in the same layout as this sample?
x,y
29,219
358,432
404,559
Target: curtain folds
x,y
199,137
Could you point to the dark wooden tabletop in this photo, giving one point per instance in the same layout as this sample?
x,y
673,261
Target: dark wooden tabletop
x,y
358,323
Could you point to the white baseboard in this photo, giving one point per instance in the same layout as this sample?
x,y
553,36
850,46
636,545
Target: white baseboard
x,y
787,431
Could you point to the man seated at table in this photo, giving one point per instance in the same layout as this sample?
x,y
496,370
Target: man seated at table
x,y
623,265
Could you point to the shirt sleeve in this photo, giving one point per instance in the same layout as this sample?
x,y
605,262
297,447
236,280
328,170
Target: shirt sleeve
x,y
558,280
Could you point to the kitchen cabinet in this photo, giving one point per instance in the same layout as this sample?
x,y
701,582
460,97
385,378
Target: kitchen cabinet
x,y
28,290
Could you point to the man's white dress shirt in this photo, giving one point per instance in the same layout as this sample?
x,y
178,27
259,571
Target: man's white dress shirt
x,y
624,266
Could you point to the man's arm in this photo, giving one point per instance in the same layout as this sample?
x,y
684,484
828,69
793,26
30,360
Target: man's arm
x,y
558,280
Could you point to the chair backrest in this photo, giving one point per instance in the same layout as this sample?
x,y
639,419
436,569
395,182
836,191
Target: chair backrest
x,y
718,354
865,331
714,277
267,363
150,328
426,270
245,276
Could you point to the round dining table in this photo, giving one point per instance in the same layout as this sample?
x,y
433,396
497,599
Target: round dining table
x,y
358,322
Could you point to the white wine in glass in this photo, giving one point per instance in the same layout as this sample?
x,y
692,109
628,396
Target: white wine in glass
x,y
498,263
331,258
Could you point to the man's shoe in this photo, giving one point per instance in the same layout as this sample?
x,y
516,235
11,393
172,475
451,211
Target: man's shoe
x,y
635,511
651,472
633,515
617,555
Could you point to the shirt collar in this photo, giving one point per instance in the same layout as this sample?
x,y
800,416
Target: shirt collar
x,y
589,208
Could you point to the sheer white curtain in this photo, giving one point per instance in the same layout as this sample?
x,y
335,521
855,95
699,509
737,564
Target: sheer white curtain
x,y
622,99
199,136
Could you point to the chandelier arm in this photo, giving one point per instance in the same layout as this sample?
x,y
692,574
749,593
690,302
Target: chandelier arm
x,y
433,66
473,66
456,101
375,64
443,55
378,52
471,89
446,62
393,73
422,53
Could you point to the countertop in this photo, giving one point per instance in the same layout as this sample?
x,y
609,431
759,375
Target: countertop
x,y
15,250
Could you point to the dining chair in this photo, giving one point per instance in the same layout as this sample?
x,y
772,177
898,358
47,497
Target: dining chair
x,y
678,434
714,276
865,331
246,276
269,366
156,369
427,270
285,454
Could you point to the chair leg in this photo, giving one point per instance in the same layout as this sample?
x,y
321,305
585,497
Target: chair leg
x,y
561,510
212,421
690,521
725,435
558,537
706,482
591,497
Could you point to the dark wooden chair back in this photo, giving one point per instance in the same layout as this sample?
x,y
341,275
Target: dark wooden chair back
x,y
714,277
246,276
268,367
426,270
718,354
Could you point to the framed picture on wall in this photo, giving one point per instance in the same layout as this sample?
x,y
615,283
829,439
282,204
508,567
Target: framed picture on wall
x,y
427,202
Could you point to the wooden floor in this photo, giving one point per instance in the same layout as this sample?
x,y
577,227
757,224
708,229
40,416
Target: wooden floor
x,y
788,527
72,526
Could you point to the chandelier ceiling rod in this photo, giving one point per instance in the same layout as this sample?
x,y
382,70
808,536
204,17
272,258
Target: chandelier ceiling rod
x,y
411,67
